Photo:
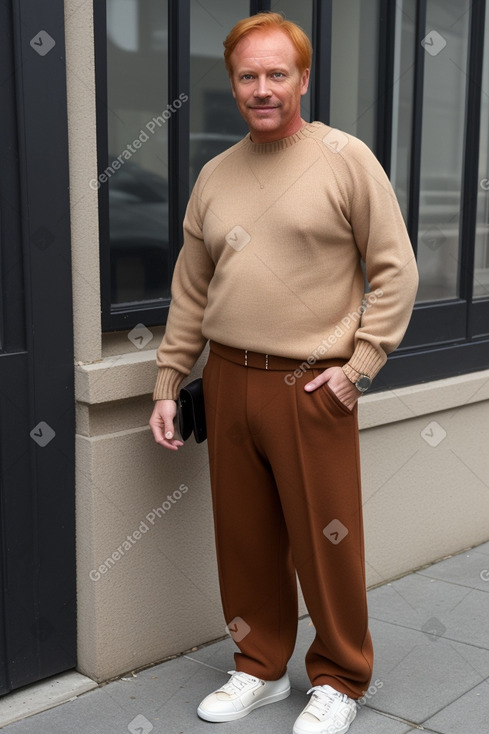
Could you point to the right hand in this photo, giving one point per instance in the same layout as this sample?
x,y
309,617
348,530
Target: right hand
x,y
161,423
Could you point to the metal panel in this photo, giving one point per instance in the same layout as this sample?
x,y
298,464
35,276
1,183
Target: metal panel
x,y
37,393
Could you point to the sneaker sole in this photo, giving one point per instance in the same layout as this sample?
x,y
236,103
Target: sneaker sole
x,y
308,731
300,730
208,716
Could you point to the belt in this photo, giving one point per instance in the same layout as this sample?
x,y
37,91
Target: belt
x,y
257,360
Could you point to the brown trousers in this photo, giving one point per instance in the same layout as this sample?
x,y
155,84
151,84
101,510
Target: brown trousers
x,y
286,492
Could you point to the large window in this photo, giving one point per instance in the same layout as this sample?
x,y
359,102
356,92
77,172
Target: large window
x,y
410,78
442,147
481,264
215,123
354,67
137,134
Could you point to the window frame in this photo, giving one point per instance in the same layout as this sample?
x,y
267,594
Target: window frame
x,y
450,337
444,338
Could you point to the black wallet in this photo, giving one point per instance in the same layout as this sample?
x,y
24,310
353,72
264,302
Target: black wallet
x,y
191,411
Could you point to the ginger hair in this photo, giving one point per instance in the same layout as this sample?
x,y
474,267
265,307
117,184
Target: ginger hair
x,y
269,21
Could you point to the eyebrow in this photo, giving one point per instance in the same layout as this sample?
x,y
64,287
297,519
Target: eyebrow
x,y
273,69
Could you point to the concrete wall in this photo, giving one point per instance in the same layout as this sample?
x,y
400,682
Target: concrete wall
x,y
147,581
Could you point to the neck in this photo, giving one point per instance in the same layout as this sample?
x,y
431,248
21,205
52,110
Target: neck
x,y
257,136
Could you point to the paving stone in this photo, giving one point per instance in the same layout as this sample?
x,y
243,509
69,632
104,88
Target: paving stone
x,y
435,607
470,713
469,569
421,674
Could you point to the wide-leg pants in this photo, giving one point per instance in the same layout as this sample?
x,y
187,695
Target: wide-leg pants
x,y
285,479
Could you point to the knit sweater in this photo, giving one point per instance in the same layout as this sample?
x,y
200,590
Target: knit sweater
x,y
274,236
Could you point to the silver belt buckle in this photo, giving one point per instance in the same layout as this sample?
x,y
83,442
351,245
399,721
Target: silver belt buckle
x,y
246,359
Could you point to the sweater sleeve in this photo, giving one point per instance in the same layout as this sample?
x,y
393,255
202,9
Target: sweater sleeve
x,y
183,341
384,245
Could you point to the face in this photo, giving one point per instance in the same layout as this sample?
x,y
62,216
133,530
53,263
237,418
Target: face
x,y
267,85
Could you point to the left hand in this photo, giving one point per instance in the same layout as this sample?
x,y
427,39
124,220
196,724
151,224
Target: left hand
x,y
339,383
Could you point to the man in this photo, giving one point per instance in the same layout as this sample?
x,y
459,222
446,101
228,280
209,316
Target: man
x,y
270,272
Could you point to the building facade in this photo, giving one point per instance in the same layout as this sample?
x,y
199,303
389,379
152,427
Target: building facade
x,y
114,105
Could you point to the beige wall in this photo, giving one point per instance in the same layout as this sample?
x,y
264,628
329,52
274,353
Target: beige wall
x,y
159,596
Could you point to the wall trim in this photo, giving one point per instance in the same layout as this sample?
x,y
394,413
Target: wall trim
x,y
131,375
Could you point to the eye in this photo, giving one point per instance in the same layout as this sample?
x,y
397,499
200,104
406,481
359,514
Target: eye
x,y
246,77
278,74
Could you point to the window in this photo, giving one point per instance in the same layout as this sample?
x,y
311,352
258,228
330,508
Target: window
x,y
215,123
411,79
137,172
354,68
481,264
435,168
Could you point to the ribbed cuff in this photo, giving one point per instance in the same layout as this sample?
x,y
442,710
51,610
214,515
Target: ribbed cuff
x,y
167,384
365,360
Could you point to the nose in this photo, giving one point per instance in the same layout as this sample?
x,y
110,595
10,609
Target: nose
x,y
262,89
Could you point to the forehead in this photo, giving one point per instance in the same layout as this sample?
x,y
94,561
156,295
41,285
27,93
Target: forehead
x,y
264,48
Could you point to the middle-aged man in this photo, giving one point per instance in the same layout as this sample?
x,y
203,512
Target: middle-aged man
x,y
270,273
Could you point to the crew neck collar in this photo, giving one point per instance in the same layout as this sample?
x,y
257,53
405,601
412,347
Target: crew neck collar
x,y
277,145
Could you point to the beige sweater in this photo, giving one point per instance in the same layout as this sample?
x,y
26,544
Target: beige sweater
x,y
274,236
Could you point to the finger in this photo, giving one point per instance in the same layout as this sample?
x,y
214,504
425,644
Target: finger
x,y
157,429
172,444
169,429
318,381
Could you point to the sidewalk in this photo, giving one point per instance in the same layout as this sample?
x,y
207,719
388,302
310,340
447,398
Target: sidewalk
x,y
431,638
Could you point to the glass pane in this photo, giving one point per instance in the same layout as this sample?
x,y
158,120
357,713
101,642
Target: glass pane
x,y
300,12
445,48
402,107
215,123
354,65
481,272
137,176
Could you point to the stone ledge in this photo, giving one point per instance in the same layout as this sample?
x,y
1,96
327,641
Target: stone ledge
x,y
131,375
116,378
390,406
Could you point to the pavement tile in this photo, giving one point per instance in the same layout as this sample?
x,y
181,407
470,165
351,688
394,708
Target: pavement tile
x,y
435,607
470,713
469,569
483,548
416,675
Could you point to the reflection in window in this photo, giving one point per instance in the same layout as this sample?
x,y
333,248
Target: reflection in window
x,y
215,123
300,12
445,76
402,107
137,176
354,65
481,272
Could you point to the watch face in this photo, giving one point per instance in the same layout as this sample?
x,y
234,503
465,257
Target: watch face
x,y
363,383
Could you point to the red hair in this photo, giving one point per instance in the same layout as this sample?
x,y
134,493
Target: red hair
x,y
269,21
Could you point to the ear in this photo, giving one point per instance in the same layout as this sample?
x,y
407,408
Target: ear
x,y
305,80
233,90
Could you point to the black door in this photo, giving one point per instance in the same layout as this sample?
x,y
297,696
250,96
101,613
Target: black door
x,y
37,558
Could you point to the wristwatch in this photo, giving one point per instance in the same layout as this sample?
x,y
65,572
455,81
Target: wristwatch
x,y
363,383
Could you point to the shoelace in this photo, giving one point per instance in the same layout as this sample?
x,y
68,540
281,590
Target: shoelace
x,y
322,701
237,682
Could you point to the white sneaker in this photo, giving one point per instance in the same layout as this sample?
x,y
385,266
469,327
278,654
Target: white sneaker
x,y
328,712
240,695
